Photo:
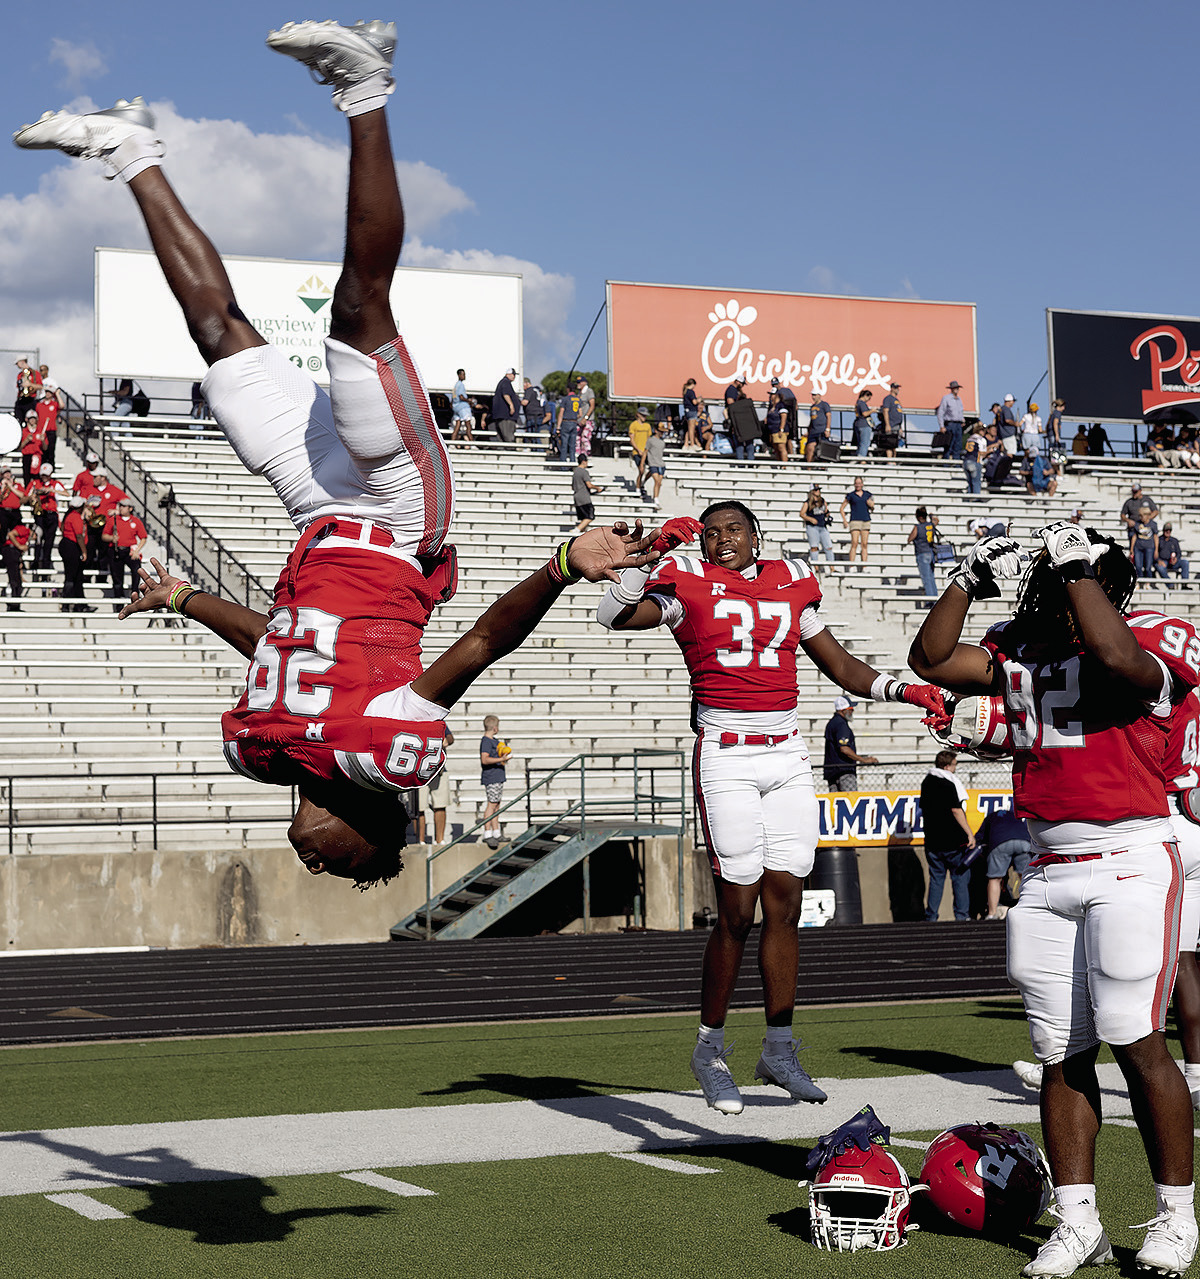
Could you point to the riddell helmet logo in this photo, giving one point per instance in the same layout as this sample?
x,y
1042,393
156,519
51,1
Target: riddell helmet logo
x,y
314,293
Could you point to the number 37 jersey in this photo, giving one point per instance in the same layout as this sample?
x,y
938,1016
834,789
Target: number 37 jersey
x,y
739,634
1087,747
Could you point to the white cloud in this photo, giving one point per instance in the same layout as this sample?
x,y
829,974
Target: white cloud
x,y
823,279
907,291
80,62
270,195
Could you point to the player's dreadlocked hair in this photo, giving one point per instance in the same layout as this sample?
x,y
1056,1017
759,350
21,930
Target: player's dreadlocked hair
x,y
1042,599
733,505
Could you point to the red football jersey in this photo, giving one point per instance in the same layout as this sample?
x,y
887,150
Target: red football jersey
x,y
1085,748
345,626
739,635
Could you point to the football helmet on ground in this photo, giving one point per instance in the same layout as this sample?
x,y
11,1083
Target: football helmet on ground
x,y
978,726
987,1178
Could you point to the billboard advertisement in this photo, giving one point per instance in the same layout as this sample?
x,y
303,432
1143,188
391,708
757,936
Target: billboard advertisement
x,y
449,319
850,819
1112,366
661,335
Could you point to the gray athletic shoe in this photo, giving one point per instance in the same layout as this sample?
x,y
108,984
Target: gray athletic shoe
x,y
786,1072
716,1081
97,134
337,55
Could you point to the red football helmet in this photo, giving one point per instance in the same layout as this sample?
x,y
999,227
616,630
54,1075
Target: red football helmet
x,y
860,1199
978,727
987,1178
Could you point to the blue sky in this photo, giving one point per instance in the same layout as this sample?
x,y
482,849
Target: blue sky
x,y
1015,156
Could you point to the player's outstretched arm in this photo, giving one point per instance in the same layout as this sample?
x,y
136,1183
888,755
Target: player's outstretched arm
x,y
241,628
598,554
623,606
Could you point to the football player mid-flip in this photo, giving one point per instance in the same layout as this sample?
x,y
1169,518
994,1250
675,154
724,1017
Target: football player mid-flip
x,y
336,702
1093,942
739,621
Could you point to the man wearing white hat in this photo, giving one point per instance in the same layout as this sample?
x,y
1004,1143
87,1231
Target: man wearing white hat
x,y
1008,426
841,757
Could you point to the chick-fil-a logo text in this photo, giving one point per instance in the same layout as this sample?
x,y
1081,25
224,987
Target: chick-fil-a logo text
x,y
727,353
1167,350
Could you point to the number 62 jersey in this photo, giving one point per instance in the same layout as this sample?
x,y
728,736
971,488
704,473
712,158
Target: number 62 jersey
x,y
739,634
1087,747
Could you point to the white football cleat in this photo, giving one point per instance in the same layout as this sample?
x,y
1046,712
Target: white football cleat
x,y
1070,1247
91,136
337,55
716,1081
1029,1073
786,1072
1170,1244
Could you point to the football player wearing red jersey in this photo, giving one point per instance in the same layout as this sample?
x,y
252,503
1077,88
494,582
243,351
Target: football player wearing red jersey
x,y
1094,941
739,622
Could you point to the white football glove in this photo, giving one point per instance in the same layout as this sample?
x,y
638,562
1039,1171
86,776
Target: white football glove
x,y
994,557
1068,543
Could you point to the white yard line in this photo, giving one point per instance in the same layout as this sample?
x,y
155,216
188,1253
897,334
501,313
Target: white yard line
x,y
390,1184
87,1207
656,1161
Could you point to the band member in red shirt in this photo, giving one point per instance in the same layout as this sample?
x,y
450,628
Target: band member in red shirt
x,y
33,443
85,481
72,547
43,494
12,495
126,534
12,552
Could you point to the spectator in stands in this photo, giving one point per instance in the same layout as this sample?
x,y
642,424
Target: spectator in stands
x,y
493,754
1054,424
950,417
28,382
863,429
656,459
582,490
1008,426
1098,441
841,757
639,436
691,414
72,547
1160,446
1168,559
791,412
50,404
1079,444
43,494
1040,475
997,418
820,416
1076,516
891,423
975,448
858,519
462,408
13,552
1134,503
85,481
199,406
1004,837
776,426
1143,542
1031,430
948,836
988,526
433,798
126,535
12,495
98,554
566,423
923,537
122,397
535,412
587,415
33,441
1186,447
735,391
704,427
816,515
504,408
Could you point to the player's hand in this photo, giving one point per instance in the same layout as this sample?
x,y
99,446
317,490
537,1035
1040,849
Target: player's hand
x,y
932,699
151,592
601,553
1068,543
677,531
994,557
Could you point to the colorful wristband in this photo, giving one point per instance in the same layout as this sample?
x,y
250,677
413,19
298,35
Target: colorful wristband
x,y
173,599
559,566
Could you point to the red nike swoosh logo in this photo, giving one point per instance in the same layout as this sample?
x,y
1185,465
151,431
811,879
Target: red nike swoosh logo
x,y
1138,876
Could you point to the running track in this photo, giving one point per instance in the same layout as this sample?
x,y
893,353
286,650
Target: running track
x,y
62,998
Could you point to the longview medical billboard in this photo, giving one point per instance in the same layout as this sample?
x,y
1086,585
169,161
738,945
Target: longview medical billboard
x,y
1115,366
660,335
449,319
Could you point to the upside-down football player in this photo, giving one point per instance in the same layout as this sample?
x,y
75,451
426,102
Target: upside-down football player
x,y
739,621
1094,939
336,702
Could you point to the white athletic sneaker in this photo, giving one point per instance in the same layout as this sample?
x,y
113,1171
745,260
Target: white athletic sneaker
x,y
1070,1247
787,1073
1170,1244
337,55
1029,1073
716,1081
97,134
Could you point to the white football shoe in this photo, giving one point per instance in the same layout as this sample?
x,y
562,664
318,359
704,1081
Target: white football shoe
x,y
1029,1073
1068,1248
1170,1244
337,55
786,1072
92,136
716,1081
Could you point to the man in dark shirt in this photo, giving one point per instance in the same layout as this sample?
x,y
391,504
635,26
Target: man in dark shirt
x,y
791,409
735,391
1009,426
948,835
566,423
535,411
504,408
818,424
1134,503
1169,561
891,418
841,758
1005,837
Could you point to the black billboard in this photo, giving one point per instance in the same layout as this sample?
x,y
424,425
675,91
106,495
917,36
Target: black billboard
x,y
1114,367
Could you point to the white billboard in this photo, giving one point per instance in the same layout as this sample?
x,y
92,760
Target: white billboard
x,y
449,319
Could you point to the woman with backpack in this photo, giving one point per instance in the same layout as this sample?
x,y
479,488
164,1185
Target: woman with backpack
x,y
924,538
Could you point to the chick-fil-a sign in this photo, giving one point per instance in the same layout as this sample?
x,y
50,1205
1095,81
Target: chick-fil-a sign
x,y
662,335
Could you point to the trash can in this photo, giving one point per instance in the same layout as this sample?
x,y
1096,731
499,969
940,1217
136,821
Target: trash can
x,y
837,869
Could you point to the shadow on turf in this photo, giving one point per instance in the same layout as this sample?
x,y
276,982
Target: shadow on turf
x,y
217,1206
930,1061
